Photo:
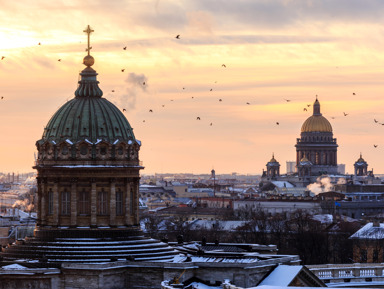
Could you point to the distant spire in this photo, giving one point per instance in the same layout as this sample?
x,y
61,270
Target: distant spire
x,y
316,107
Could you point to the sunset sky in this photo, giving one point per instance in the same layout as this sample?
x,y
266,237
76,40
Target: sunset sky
x,y
272,50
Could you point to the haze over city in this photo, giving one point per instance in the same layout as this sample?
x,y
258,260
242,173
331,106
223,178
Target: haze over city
x,y
240,67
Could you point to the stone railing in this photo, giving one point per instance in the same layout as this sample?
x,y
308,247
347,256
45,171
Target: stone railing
x,y
345,273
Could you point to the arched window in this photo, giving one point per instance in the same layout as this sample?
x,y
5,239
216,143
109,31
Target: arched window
x,y
65,203
84,149
84,208
102,202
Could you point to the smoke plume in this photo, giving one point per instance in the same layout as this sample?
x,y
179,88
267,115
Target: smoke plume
x,y
136,83
321,185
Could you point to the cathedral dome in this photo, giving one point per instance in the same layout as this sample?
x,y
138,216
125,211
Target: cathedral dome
x,y
316,122
88,117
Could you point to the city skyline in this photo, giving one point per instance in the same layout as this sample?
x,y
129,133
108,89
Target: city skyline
x,y
241,67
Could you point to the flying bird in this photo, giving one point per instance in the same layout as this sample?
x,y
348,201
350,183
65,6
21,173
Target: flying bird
x,y
198,118
308,105
210,89
375,146
124,109
143,82
144,120
220,99
123,70
113,91
287,100
345,114
305,109
59,60
150,110
277,123
125,48
39,43
163,105
353,93
211,124
177,36
2,57
223,65
2,97
248,103
375,120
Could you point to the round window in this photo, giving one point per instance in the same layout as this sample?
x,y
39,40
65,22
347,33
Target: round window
x,y
64,150
83,149
103,150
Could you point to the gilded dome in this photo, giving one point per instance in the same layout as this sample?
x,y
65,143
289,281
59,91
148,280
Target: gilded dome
x,y
316,122
360,160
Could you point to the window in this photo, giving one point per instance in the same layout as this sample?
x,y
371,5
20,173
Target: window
x,y
103,150
65,203
64,150
102,203
84,203
375,257
120,150
119,203
83,149
50,202
363,256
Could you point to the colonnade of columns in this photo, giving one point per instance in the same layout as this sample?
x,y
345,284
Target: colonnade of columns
x,y
51,217
318,157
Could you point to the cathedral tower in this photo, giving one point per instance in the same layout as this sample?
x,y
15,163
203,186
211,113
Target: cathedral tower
x,y
317,144
88,172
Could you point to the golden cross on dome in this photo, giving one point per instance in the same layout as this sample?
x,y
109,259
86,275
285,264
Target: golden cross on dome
x,y
88,31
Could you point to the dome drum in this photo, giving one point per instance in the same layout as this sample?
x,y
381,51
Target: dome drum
x,y
100,153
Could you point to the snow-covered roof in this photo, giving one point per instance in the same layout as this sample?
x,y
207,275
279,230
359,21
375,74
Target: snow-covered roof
x,y
370,232
283,275
280,184
14,267
222,225
324,219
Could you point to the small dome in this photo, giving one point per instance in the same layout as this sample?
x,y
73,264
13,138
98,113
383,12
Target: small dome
x,y
304,159
360,160
273,160
316,122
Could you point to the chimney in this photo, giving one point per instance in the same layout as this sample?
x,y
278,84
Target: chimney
x,y
376,223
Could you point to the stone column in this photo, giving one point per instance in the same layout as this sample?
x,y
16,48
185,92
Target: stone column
x,y
55,203
135,212
73,203
37,201
42,202
128,203
93,203
112,203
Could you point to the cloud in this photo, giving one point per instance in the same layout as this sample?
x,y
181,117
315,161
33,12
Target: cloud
x,y
136,83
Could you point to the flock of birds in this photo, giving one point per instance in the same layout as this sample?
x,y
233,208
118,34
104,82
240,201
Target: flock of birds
x,y
220,99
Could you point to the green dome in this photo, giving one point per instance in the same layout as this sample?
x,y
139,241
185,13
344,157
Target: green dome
x,y
88,117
